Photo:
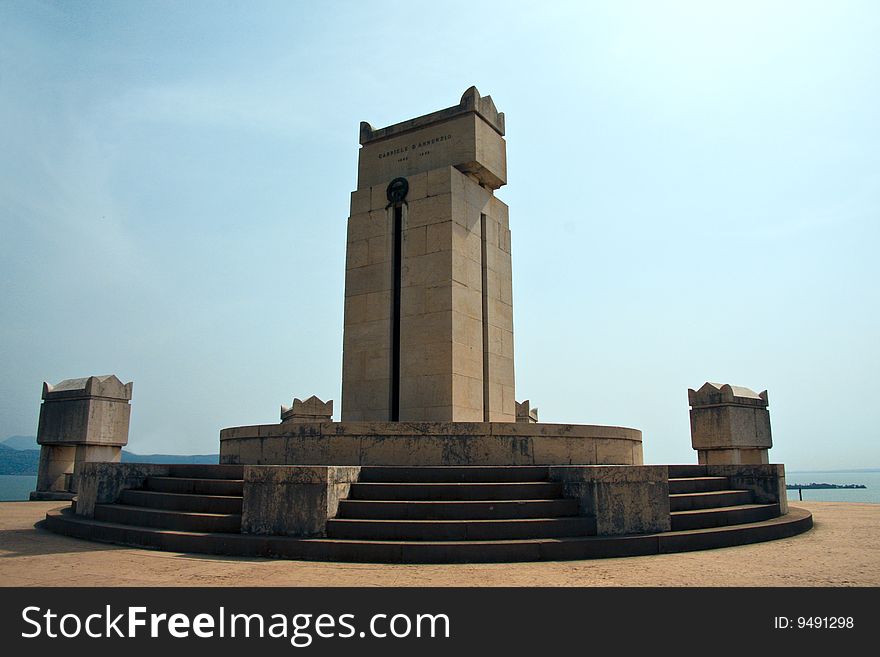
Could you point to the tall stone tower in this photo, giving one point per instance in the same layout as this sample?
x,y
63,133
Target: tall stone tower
x,y
428,330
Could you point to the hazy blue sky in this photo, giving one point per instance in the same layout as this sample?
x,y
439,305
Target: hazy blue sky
x,y
694,191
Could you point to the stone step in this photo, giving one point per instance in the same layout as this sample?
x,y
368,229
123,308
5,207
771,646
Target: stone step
x,y
181,501
698,484
461,510
206,471
160,518
795,522
63,521
459,530
709,500
682,471
449,474
731,515
455,491
194,485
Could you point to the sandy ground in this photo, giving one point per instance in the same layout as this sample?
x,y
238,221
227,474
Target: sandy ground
x,y
843,549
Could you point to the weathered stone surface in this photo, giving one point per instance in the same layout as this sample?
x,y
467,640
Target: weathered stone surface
x,y
613,452
93,454
624,500
93,409
729,424
733,456
429,443
525,413
101,483
81,420
766,481
55,471
293,500
310,410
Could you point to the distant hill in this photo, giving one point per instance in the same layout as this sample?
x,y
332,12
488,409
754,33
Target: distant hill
x,y
26,459
18,461
21,442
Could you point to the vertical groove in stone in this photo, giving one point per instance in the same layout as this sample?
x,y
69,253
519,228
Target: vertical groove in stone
x,y
395,313
485,316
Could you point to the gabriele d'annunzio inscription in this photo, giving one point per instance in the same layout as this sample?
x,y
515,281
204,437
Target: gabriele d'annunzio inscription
x,y
414,146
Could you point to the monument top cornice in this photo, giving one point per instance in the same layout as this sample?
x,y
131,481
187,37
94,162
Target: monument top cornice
x,y
106,385
471,101
716,394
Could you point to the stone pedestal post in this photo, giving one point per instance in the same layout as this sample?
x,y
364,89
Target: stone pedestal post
x,y
293,500
310,410
730,425
81,420
525,413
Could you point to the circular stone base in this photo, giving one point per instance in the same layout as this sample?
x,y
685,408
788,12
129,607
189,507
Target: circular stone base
x,y
430,443
64,521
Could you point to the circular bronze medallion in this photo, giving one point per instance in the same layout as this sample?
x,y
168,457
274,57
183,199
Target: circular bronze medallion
x,y
397,190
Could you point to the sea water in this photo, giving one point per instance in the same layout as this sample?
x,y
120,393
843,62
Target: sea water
x,y
868,478
16,487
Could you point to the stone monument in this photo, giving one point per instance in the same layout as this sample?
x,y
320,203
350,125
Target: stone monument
x,y
433,459
81,420
729,425
428,331
427,363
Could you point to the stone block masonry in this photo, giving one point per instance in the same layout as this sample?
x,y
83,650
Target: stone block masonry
x,y
622,499
102,483
428,330
430,443
293,500
729,425
766,481
81,420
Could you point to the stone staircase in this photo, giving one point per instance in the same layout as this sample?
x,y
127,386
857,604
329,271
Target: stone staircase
x,y
427,515
457,504
697,501
194,498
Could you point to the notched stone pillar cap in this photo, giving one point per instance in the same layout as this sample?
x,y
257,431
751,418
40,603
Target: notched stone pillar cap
x,y
312,409
713,394
525,412
106,385
484,106
471,101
